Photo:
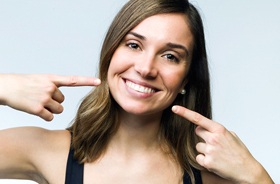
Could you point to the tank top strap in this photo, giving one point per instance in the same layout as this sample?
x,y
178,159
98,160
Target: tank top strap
x,y
74,170
197,176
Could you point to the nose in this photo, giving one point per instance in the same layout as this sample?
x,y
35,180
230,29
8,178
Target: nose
x,y
146,67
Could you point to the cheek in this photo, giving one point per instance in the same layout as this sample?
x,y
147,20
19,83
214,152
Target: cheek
x,y
114,66
175,85
174,80
118,62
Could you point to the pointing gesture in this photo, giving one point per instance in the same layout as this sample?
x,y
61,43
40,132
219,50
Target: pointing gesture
x,y
222,152
38,94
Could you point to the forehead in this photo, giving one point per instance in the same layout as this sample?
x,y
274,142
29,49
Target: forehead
x,y
171,27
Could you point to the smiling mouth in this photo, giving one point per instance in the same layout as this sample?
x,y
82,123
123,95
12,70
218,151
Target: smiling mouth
x,y
139,88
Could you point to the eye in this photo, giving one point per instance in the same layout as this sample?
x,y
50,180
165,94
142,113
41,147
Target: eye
x,y
171,57
133,46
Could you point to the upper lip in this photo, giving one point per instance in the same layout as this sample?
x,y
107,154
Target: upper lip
x,y
141,83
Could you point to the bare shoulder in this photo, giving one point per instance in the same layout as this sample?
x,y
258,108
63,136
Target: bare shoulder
x,y
51,157
34,153
211,178
33,137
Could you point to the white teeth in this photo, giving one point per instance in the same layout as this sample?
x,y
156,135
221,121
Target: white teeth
x,y
139,88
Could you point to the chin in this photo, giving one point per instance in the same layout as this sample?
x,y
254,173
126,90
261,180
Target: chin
x,y
141,110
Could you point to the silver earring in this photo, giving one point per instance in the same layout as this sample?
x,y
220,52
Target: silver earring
x,y
183,91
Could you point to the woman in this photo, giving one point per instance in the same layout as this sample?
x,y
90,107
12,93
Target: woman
x,y
153,67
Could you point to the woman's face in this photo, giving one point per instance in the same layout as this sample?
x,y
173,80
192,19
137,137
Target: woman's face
x,y
148,69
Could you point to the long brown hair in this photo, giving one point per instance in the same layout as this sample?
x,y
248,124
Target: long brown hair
x,y
96,119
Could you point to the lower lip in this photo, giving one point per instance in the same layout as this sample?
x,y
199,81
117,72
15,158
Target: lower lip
x,y
137,93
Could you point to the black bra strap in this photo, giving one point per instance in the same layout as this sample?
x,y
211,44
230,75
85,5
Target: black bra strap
x,y
197,176
74,170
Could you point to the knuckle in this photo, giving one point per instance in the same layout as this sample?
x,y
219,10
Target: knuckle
x,y
223,129
38,110
209,163
198,129
198,147
214,139
197,117
45,99
49,88
73,80
211,150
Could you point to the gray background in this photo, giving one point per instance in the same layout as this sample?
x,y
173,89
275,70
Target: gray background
x,y
64,37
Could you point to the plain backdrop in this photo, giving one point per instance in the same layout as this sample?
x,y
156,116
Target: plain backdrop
x,y
64,37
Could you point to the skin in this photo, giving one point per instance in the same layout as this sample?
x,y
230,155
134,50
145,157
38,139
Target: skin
x,y
39,94
146,58
34,153
222,152
41,155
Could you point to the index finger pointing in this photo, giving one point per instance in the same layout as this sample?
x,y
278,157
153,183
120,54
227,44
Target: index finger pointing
x,y
195,118
74,81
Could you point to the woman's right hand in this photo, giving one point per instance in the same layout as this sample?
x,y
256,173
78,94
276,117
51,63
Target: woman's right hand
x,y
38,94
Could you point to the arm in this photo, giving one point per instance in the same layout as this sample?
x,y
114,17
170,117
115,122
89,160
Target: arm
x,y
22,149
17,147
38,94
14,158
30,152
223,153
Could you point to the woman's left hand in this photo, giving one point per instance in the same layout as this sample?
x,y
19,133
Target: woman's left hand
x,y
222,152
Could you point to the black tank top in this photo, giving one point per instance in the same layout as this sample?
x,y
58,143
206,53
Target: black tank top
x,y
75,172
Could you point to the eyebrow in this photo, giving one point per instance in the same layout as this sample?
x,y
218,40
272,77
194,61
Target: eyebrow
x,y
138,35
170,45
178,46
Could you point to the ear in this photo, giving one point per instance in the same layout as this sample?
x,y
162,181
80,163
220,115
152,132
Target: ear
x,y
184,83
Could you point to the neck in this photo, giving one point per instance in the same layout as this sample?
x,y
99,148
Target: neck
x,y
137,133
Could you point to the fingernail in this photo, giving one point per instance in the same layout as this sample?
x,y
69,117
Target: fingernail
x,y
97,81
174,109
